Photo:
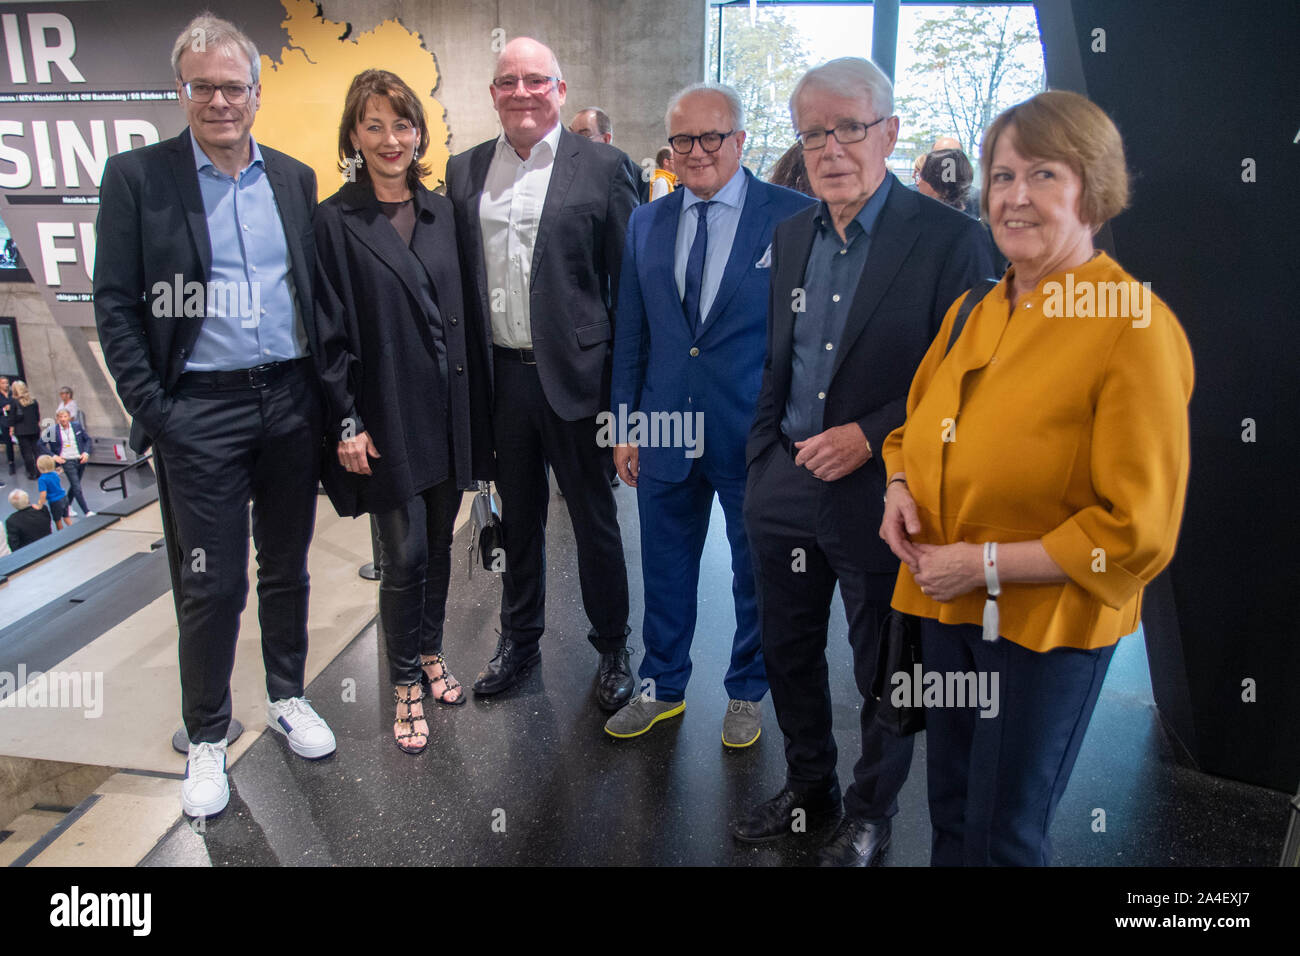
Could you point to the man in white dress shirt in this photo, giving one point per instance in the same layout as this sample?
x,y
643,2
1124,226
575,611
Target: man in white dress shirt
x,y
541,214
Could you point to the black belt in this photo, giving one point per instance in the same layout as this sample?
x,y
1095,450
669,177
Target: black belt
x,y
259,376
788,445
522,356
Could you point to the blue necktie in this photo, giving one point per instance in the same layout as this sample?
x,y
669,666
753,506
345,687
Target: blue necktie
x,y
695,264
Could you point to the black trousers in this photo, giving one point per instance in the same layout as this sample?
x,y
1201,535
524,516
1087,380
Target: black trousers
x,y
9,443
27,444
221,448
798,562
529,438
415,569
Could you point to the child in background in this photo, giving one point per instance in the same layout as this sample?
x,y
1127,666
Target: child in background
x,y
52,494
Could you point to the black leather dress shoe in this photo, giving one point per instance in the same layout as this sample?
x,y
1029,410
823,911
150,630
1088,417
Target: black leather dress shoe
x,y
776,818
507,668
855,842
614,680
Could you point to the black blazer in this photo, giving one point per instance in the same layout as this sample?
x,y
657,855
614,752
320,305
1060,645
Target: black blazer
x,y
576,260
380,306
152,227
25,419
924,255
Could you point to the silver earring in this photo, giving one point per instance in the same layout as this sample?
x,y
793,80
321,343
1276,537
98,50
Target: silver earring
x,y
357,160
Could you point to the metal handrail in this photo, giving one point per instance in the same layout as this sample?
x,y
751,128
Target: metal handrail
x,y
120,474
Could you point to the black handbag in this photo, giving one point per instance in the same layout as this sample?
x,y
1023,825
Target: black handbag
x,y
899,652
485,541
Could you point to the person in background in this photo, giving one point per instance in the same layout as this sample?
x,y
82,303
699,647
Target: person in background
x,y
67,401
791,172
663,180
25,425
6,422
28,522
946,175
69,445
541,215
393,355
917,164
594,124
973,196
860,284
52,494
702,252
1061,496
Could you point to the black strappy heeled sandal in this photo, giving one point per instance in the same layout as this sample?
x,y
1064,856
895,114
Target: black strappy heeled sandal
x,y
411,719
446,677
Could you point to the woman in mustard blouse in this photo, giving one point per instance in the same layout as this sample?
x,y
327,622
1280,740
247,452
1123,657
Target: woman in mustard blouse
x,y
1037,484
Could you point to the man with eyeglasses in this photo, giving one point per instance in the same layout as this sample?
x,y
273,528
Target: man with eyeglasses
x,y
221,383
860,285
690,344
541,214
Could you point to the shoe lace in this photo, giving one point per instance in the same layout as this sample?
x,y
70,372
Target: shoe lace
x,y
741,706
206,760
304,717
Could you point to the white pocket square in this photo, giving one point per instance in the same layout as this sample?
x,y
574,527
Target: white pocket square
x,y
766,261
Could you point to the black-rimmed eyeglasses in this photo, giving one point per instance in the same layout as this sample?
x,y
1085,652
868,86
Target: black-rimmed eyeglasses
x,y
533,83
709,142
844,133
233,93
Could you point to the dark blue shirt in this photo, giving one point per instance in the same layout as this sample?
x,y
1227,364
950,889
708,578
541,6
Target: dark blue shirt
x,y
830,280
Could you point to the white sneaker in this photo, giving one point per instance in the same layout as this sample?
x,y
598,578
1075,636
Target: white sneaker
x,y
90,514
206,788
309,736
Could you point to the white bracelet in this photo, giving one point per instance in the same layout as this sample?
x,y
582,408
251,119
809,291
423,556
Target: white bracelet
x,y
994,589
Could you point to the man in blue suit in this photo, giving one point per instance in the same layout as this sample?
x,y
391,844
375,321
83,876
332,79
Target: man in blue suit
x,y
688,362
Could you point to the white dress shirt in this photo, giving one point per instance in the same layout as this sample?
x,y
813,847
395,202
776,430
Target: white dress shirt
x,y
510,212
70,451
723,219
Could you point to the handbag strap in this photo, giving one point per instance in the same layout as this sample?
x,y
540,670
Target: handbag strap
x,y
973,298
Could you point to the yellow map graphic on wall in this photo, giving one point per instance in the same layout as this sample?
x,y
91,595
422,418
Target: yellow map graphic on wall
x,y
303,93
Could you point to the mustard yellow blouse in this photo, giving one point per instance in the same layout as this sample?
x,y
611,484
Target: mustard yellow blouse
x,y
1066,421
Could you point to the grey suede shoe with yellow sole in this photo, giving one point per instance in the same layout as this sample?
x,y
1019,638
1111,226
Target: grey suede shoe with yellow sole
x,y
640,714
742,723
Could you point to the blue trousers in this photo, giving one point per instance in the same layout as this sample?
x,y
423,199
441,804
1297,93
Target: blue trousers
x,y
995,782
674,524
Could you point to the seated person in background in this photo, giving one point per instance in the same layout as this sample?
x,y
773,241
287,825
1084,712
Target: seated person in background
x,y
28,522
946,175
52,492
663,180
69,445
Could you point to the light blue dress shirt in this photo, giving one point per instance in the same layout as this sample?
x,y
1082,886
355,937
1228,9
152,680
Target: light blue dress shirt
x,y
724,216
258,321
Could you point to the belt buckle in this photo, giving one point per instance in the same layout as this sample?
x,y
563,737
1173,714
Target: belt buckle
x,y
527,357
259,376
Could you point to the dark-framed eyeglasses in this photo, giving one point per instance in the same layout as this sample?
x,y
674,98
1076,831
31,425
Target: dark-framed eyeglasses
x,y
233,93
844,133
533,83
709,142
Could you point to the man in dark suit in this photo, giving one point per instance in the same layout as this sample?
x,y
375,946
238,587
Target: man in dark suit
x,y
860,285
203,299
541,214
594,124
689,350
27,523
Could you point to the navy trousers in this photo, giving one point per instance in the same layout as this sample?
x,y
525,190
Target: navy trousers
x,y
994,782
674,525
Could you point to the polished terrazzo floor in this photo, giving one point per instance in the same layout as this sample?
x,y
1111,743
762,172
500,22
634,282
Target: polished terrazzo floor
x,y
529,777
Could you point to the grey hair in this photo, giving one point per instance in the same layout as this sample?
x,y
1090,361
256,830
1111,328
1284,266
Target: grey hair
x,y
732,97
210,31
555,62
848,76
18,499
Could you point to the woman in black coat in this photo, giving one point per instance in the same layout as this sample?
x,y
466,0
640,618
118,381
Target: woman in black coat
x,y
25,421
394,368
